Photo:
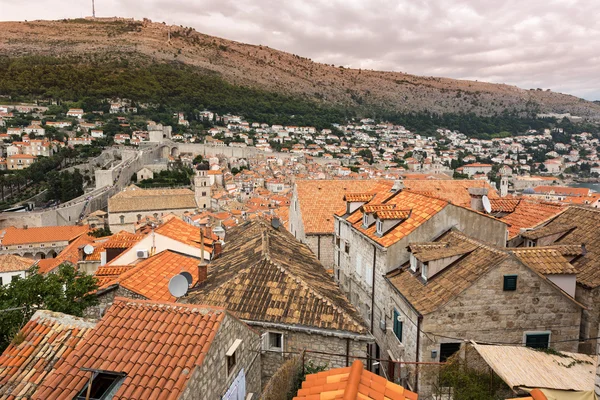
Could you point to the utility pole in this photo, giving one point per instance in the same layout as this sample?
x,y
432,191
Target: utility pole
x,y
93,10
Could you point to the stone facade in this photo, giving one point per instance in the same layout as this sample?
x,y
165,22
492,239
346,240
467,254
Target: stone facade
x,y
295,341
106,299
590,317
202,189
126,221
359,260
212,379
485,312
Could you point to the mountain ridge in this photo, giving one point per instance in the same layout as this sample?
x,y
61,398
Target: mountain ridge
x,y
277,71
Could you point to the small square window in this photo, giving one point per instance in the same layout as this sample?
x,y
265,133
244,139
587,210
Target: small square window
x,y
273,341
397,327
231,361
510,282
347,248
537,340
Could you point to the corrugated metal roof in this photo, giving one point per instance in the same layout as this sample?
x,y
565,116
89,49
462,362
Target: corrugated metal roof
x,y
520,366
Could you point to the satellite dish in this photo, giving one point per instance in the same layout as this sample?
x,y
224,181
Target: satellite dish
x,y
188,277
178,286
487,206
88,249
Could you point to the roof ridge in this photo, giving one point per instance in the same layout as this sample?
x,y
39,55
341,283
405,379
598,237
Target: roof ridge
x,y
478,243
167,304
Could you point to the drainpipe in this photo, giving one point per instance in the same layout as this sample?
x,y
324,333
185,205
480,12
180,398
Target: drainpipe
x,y
373,301
347,352
319,247
419,320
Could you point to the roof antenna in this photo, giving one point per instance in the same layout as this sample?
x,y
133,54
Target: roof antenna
x,y
93,10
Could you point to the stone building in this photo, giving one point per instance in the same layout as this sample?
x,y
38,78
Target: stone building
x,y
143,350
315,201
372,235
578,226
38,243
311,212
456,289
12,266
275,284
202,187
130,206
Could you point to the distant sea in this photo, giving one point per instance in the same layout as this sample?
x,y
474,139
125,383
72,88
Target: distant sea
x,y
594,186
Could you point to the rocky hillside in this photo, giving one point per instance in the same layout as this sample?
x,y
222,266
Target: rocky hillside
x,y
277,71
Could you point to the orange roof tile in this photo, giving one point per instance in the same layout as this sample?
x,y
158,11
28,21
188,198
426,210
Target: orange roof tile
x,y
562,190
320,199
49,337
45,234
358,197
530,213
150,278
393,214
69,254
351,383
13,263
183,232
504,205
152,343
452,191
371,208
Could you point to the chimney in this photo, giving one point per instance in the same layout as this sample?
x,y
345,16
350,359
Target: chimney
x,y
217,249
398,186
476,198
202,265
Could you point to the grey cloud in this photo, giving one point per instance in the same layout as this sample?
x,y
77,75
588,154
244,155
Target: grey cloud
x,y
529,43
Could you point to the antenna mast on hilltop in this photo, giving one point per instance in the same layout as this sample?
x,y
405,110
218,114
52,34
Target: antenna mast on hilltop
x,y
93,10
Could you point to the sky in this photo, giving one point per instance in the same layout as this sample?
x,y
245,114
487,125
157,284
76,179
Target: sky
x,y
548,44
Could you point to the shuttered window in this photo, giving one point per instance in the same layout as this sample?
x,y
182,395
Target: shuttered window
x,y
510,282
397,325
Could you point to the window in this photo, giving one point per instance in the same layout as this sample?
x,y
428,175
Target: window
x,y
337,242
139,217
379,227
424,269
1,283
231,356
122,219
104,386
447,350
365,220
397,325
413,263
347,247
537,340
358,266
273,341
369,274
510,282
203,193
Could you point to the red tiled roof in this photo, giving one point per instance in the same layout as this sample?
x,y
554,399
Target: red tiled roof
x,y
69,254
183,232
157,345
351,383
562,190
530,213
48,338
392,214
13,263
42,235
504,205
452,191
371,208
358,197
150,278
320,199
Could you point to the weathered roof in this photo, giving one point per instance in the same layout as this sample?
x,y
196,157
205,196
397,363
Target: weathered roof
x,y
529,213
266,275
13,263
152,343
320,199
584,228
135,199
477,259
15,236
69,255
48,338
340,382
548,230
545,261
150,278
523,367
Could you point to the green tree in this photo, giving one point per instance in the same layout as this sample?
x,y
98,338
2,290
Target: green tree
x,y
67,291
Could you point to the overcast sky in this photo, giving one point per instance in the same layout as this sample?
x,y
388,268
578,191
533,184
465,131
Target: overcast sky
x,y
550,44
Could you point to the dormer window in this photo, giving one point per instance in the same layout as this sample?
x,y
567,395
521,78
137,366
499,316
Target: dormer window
x,y
389,219
365,221
379,227
104,385
424,271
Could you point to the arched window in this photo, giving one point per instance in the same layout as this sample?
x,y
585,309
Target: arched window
x,y
122,218
139,217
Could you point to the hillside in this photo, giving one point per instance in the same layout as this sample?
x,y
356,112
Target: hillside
x,y
275,71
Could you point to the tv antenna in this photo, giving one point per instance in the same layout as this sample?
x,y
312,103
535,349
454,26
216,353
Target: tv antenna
x,y
93,9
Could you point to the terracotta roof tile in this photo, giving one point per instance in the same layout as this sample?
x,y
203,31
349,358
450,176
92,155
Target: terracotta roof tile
x,y
544,260
49,337
371,208
351,383
265,274
13,236
452,191
393,214
150,278
504,205
139,338
69,254
183,232
320,199
585,222
358,197
529,213
13,263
